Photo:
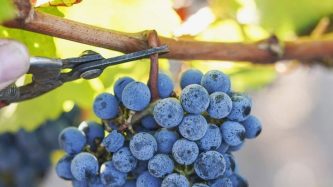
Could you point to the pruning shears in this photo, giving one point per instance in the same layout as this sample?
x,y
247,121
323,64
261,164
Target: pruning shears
x,y
48,73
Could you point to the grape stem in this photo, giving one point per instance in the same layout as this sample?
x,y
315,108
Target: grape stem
x,y
153,41
307,50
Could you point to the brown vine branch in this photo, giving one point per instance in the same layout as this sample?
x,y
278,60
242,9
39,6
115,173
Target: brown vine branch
x,y
153,41
259,52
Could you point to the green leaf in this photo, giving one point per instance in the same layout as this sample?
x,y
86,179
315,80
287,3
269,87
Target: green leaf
x,y
286,17
7,10
225,9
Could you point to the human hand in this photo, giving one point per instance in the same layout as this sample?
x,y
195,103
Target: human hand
x,y
14,61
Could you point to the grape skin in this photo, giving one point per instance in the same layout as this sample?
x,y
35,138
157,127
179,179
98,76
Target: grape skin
x,y
220,105
233,133
146,179
143,146
123,160
63,167
136,96
241,108
72,140
119,86
175,180
194,99
216,81
149,122
200,185
252,127
193,127
84,165
106,106
94,132
190,76
168,112
164,85
222,182
165,139
160,165
210,165
211,140
113,141
185,152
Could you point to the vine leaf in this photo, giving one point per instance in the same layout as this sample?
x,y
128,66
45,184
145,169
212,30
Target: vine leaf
x,y
56,3
7,10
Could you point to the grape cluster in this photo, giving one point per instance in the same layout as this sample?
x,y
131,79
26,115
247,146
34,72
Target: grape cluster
x,y
172,142
25,155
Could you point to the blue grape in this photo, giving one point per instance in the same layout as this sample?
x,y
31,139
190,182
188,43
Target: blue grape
x,y
216,81
63,168
110,176
10,158
76,183
136,96
165,139
123,160
25,176
168,112
223,147
238,181
185,152
160,165
106,106
190,76
175,180
193,127
147,180
84,165
210,165
211,140
149,122
194,99
119,86
236,147
164,85
220,105
233,133
113,141
200,185
230,165
221,182
143,146
141,166
130,183
94,133
241,108
72,140
252,127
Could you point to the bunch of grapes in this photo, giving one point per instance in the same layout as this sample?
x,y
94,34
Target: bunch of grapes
x,y
25,156
172,142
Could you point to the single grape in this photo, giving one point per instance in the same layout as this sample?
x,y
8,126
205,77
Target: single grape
x,y
216,81
221,182
164,85
193,127
185,152
136,96
119,86
94,133
233,133
190,76
175,180
252,127
149,122
76,183
106,106
210,165
238,181
72,140
194,99
113,141
160,165
220,105
211,140
143,146
84,165
147,180
63,167
165,139
200,185
168,112
123,160
241,108
110,176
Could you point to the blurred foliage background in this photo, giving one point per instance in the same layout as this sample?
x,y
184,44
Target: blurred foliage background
x,y
209,20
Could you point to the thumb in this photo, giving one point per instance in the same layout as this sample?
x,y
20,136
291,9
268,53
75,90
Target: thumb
x,y
14,62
